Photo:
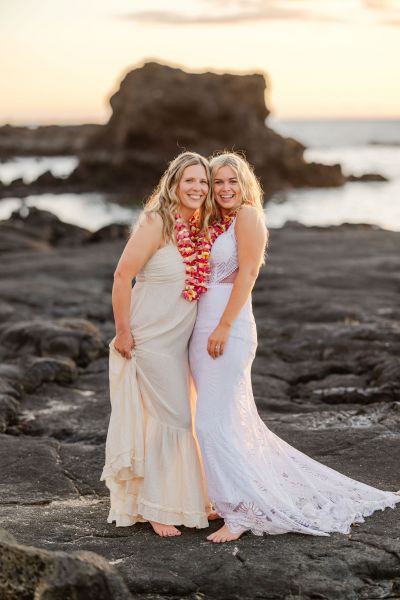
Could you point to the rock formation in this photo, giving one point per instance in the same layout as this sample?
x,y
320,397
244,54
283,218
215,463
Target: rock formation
x,y
159,111
28,572
326,379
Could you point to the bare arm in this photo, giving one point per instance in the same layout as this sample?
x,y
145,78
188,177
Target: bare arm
x,y
140,247
251,240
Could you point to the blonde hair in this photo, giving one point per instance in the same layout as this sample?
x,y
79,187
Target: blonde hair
x,y
250,187
164,200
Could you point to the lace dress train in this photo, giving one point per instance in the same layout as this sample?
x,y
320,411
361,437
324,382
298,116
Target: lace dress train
x,y
257,481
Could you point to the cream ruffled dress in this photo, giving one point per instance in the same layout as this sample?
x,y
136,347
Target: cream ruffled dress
x,y
153,467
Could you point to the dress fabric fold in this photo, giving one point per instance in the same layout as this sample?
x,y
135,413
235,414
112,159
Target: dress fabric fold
x,y
153,467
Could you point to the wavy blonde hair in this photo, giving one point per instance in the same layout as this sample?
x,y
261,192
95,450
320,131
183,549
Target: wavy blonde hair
x,y
250,187
164,200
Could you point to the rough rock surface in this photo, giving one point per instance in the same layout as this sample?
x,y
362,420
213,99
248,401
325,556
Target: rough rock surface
x,y
47,140
28,572
326,379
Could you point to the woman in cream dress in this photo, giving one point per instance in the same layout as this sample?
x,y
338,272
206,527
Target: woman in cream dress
x,y
152,466
256,481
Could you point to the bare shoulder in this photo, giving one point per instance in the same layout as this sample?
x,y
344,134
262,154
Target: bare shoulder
x,y
150,221
147,233
250,217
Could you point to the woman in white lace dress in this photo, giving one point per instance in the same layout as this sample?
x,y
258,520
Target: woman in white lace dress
x,y
256,481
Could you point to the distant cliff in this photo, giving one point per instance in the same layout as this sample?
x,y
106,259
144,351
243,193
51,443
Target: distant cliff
x,y
159,111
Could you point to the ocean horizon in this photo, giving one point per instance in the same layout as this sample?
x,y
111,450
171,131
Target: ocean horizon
x,y
359,145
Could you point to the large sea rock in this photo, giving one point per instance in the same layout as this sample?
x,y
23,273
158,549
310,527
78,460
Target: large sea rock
x,y
159,111
326,379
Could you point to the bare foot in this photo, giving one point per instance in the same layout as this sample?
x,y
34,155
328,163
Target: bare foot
x,y
213,516
224,535
164,530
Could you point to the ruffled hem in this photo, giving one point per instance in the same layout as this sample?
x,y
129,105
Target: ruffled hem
x,y
327,522
167,486
143,511
123,467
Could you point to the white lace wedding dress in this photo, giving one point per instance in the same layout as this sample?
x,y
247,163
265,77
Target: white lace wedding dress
x,y
256,481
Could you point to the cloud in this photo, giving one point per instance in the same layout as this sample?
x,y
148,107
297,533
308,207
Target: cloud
x,y
230,12
387,12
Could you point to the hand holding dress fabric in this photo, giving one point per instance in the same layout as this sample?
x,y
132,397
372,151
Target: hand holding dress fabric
x,y
124,344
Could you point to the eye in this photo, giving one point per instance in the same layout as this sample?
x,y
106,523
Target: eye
x,y
204,181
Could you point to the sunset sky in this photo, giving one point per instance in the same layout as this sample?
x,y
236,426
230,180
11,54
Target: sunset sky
x,y
61,59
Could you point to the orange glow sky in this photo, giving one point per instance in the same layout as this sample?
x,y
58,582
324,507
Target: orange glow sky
x,y
61,59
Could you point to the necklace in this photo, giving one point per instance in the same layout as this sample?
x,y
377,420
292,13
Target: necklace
x,y
195,248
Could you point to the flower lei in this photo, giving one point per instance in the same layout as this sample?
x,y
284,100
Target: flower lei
x,y
195,250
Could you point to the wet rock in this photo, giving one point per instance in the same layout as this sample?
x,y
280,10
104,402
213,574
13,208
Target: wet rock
x,y
13,239
31,471
367,177
111,232
29,572
37,370
72,338
9,408
45,227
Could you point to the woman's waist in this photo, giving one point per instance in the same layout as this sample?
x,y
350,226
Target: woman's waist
x,y
212,304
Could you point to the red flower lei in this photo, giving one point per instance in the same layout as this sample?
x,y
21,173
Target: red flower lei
x,y
195,250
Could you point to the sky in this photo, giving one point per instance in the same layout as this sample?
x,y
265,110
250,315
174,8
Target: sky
x,y
60,60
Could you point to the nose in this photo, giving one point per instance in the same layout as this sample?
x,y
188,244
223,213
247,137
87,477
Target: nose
x,y
196,185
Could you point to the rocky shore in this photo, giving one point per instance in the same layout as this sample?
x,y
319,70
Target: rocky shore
x,y
326,379
46,140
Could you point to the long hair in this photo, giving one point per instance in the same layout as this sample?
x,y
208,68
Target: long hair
x,y
250,187
164,200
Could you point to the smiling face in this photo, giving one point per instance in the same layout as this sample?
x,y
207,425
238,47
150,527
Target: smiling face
x,y
227,192
192,190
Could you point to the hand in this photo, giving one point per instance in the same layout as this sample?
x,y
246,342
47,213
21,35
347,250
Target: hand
x,y
124,344
217,340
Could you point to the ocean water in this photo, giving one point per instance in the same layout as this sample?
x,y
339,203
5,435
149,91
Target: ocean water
x,y
30,167
360,146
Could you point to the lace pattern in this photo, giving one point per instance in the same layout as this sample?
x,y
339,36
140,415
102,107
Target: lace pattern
x,y
223,258
256,480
